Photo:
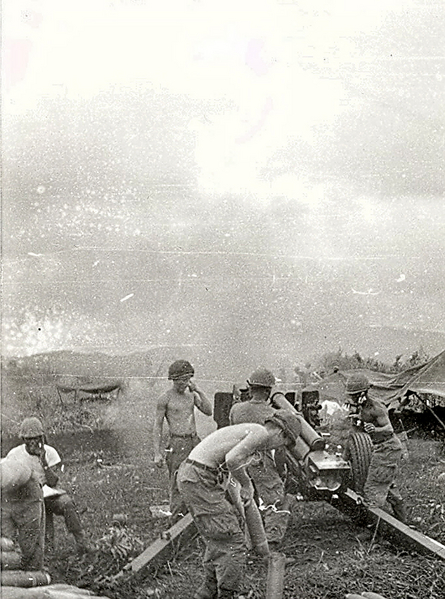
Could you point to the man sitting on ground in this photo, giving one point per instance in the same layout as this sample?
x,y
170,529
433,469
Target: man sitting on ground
x,y
43,461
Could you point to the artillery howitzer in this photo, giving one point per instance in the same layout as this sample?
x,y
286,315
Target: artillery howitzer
x,y
317,475
313,472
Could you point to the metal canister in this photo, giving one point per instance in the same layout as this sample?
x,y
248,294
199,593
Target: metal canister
x,y
20,578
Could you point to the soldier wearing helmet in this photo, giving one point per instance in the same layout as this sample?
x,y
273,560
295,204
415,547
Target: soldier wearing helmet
x,y
177,407
203,479
372,416
45,463
263,470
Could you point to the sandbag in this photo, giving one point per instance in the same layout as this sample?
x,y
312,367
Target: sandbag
x,y
19,593
10,560
54,591
6,544
14,474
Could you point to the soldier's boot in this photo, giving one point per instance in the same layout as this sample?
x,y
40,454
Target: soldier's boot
x,y
398,507
83,546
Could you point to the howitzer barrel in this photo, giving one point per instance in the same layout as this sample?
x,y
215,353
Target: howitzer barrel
x,y
311,438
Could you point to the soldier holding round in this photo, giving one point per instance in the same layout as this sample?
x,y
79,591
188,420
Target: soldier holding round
x,y
380,485
177,407
202,481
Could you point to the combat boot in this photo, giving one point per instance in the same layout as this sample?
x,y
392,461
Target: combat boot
x,y
398,507
82,545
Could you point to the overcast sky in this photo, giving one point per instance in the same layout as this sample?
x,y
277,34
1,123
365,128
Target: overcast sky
x,y
261,182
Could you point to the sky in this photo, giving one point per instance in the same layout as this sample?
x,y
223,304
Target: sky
x,y
253,184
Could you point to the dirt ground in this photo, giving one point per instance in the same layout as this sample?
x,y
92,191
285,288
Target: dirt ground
x,y
108,475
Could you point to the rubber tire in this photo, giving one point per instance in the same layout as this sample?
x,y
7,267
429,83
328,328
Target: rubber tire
x,y
358,453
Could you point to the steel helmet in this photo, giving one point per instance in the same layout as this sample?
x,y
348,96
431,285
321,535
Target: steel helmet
x,y
31,427
179,369
289,423
357,383
261,378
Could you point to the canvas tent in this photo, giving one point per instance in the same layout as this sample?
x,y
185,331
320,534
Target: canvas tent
x,y
391,388
97,389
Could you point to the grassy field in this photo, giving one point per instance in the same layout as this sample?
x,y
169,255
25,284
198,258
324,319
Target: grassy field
x,y
110,471
109,475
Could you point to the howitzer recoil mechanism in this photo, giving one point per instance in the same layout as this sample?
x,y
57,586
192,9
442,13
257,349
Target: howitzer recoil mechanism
x,y
316,471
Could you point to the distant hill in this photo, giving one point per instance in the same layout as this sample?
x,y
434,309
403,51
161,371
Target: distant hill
x,y
84,366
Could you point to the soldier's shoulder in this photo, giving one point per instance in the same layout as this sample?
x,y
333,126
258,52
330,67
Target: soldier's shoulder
x,y
164,398
378,406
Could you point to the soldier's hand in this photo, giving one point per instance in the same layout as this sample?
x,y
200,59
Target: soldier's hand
x,y
246,493
192,386
369,428
41,453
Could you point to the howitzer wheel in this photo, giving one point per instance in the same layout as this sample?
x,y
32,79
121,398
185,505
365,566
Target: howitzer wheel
x,y
358,453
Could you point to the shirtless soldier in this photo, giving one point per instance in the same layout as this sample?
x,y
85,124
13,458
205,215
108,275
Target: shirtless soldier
x,y
380,485
177,407
202,479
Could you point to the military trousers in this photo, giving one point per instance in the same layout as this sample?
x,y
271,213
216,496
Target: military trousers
x,y
218,524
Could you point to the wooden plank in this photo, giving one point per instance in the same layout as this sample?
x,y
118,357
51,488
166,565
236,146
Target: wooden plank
x,y
390,527
162,549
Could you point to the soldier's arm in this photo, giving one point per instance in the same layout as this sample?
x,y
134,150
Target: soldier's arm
x,y
200,399
51,477
161,412
232,415
381,420
239,457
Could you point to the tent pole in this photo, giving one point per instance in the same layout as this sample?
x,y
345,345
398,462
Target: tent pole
x,y
431,410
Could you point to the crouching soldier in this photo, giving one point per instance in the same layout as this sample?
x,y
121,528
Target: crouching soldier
x,y
269,486
380,485
202,479
43,461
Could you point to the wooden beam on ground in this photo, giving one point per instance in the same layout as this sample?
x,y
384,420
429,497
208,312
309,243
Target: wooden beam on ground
x,y
389,527
163,548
